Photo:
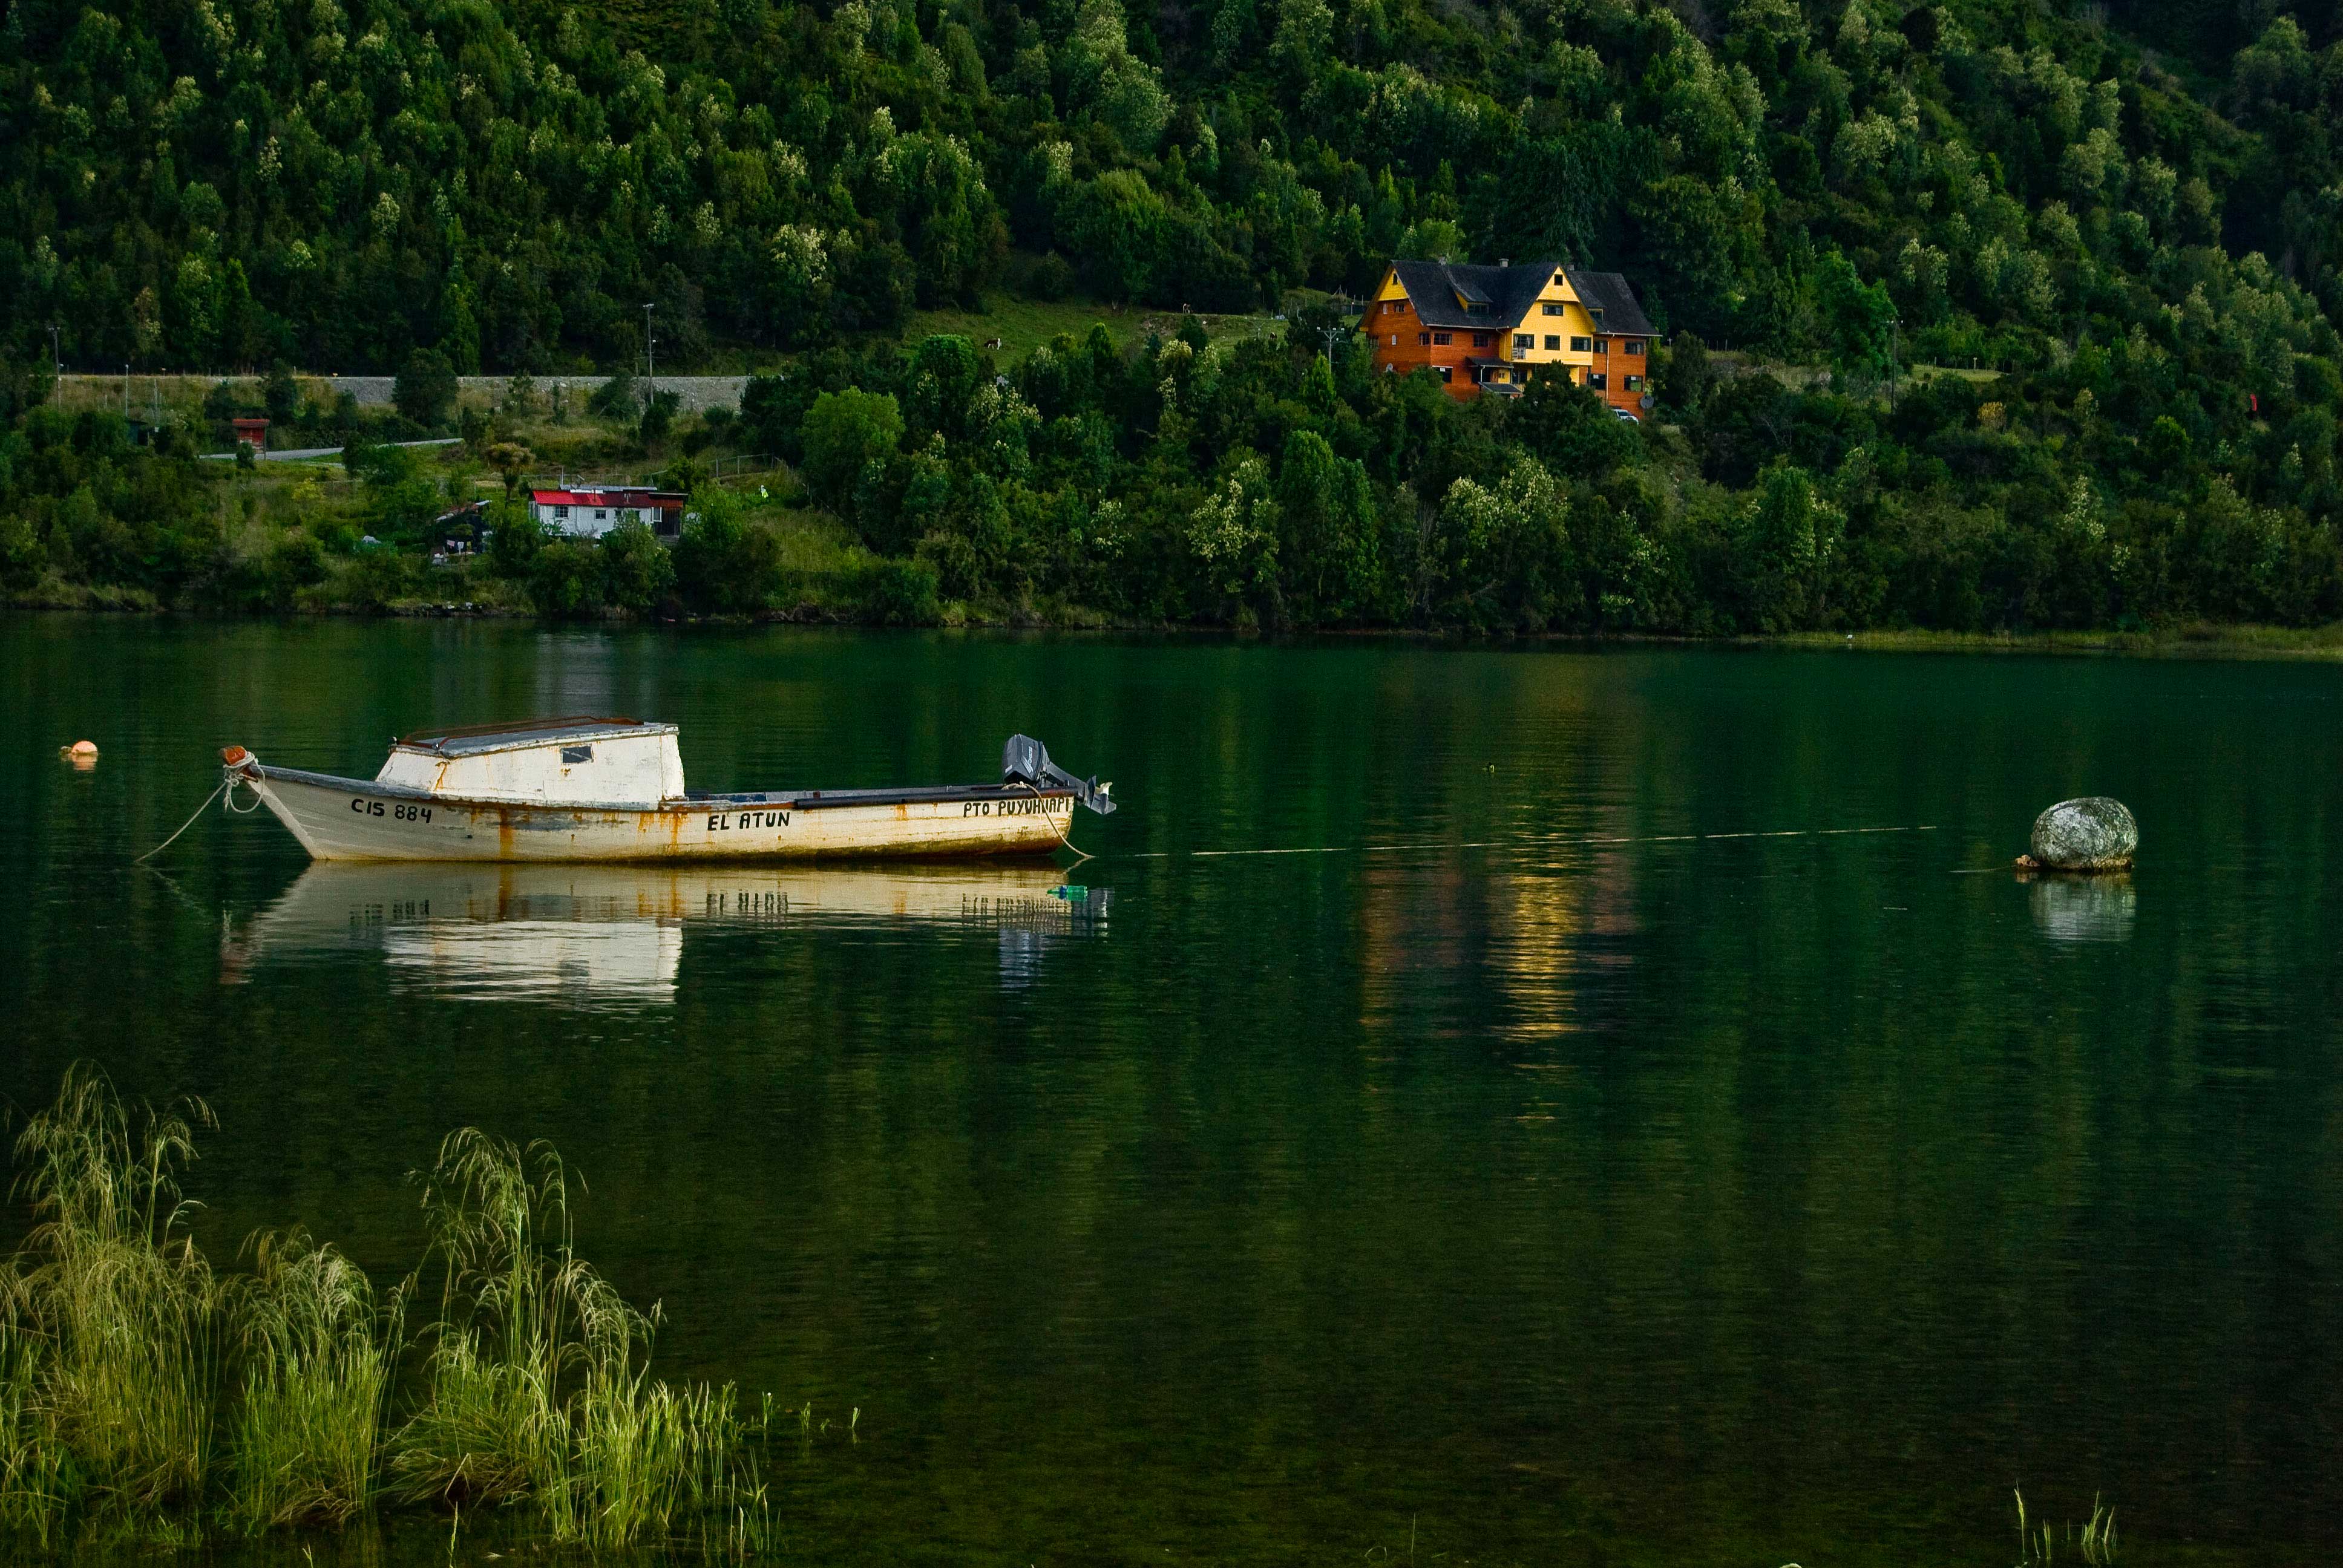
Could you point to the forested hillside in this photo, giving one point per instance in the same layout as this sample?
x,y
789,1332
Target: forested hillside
x,y
2135,213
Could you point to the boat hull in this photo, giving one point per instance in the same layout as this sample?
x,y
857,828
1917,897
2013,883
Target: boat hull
x,y
361,819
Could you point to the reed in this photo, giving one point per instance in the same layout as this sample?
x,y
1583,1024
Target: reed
x,y
143,1396
126,1311
317,1357
538,1381
2095,1541
34,1484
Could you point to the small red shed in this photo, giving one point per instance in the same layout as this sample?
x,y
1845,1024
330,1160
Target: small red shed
x,y
252,433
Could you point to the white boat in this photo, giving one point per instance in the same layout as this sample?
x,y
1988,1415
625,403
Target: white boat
x,y
612,789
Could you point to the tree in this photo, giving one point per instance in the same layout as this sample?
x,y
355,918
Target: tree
x,y
512,460
281,395
1789,537
1685,379
515,540
659,419
1329,550
844,433
425,387
1857,319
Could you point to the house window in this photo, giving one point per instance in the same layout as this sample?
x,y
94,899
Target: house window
x,y
1598,380
1634,345
1596,312
1446,374
1580,345
1422,338
561,511
1394,340
1560,281
1553,309
1602,345
1481,339
1634,384
1552,344
1444,336
601,514
1523,342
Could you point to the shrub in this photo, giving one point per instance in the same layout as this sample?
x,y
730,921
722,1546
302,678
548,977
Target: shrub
x,y
376,576
637,573
900,593
566,579
725,563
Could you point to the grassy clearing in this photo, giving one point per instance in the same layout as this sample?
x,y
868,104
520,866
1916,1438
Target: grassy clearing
x,y
1024,324
145,1398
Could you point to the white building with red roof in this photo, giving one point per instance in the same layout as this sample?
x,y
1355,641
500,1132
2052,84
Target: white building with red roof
x,y
589,511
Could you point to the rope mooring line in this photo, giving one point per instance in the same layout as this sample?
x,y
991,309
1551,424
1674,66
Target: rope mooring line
x,y
183,826
1521,843
227,787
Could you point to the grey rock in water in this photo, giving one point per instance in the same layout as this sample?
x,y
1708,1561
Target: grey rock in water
x,y
2094,834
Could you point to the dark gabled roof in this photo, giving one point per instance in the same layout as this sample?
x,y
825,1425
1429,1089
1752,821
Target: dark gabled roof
x,y
1433,287
1608,292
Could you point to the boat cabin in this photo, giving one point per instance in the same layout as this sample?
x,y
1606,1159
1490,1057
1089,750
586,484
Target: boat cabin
x,y
577,761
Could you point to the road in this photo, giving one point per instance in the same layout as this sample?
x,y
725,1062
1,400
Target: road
x,y
299,454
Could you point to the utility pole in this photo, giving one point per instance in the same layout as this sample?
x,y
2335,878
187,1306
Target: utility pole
x,y
1895,354
125,389
56,365
1333,334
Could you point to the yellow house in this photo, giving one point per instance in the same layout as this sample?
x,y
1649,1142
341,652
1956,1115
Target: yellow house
x,y
1493,328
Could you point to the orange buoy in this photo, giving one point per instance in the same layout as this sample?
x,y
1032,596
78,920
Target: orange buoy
x,y
79,750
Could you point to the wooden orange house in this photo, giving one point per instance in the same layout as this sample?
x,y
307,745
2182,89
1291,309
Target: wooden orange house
x,y
1493,328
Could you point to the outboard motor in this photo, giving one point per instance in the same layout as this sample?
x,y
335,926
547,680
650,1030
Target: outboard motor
x,y
1025,761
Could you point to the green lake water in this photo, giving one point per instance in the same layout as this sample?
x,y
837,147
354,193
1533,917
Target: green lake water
x,y
1566,1150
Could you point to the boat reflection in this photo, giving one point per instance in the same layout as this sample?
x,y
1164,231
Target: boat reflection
x,y
616,933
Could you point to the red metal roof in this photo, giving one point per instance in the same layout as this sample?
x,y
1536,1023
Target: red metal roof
x,y
666,501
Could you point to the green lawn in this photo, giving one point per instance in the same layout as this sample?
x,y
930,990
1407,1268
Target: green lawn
x,y
1024,324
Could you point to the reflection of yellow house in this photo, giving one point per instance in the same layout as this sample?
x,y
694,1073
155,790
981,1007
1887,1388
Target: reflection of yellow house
x,y
1494,327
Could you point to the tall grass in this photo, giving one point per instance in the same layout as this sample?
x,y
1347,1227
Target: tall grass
x,y
125,1311
33,1481
2095,1543
539,1387
318,1355
143,1395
